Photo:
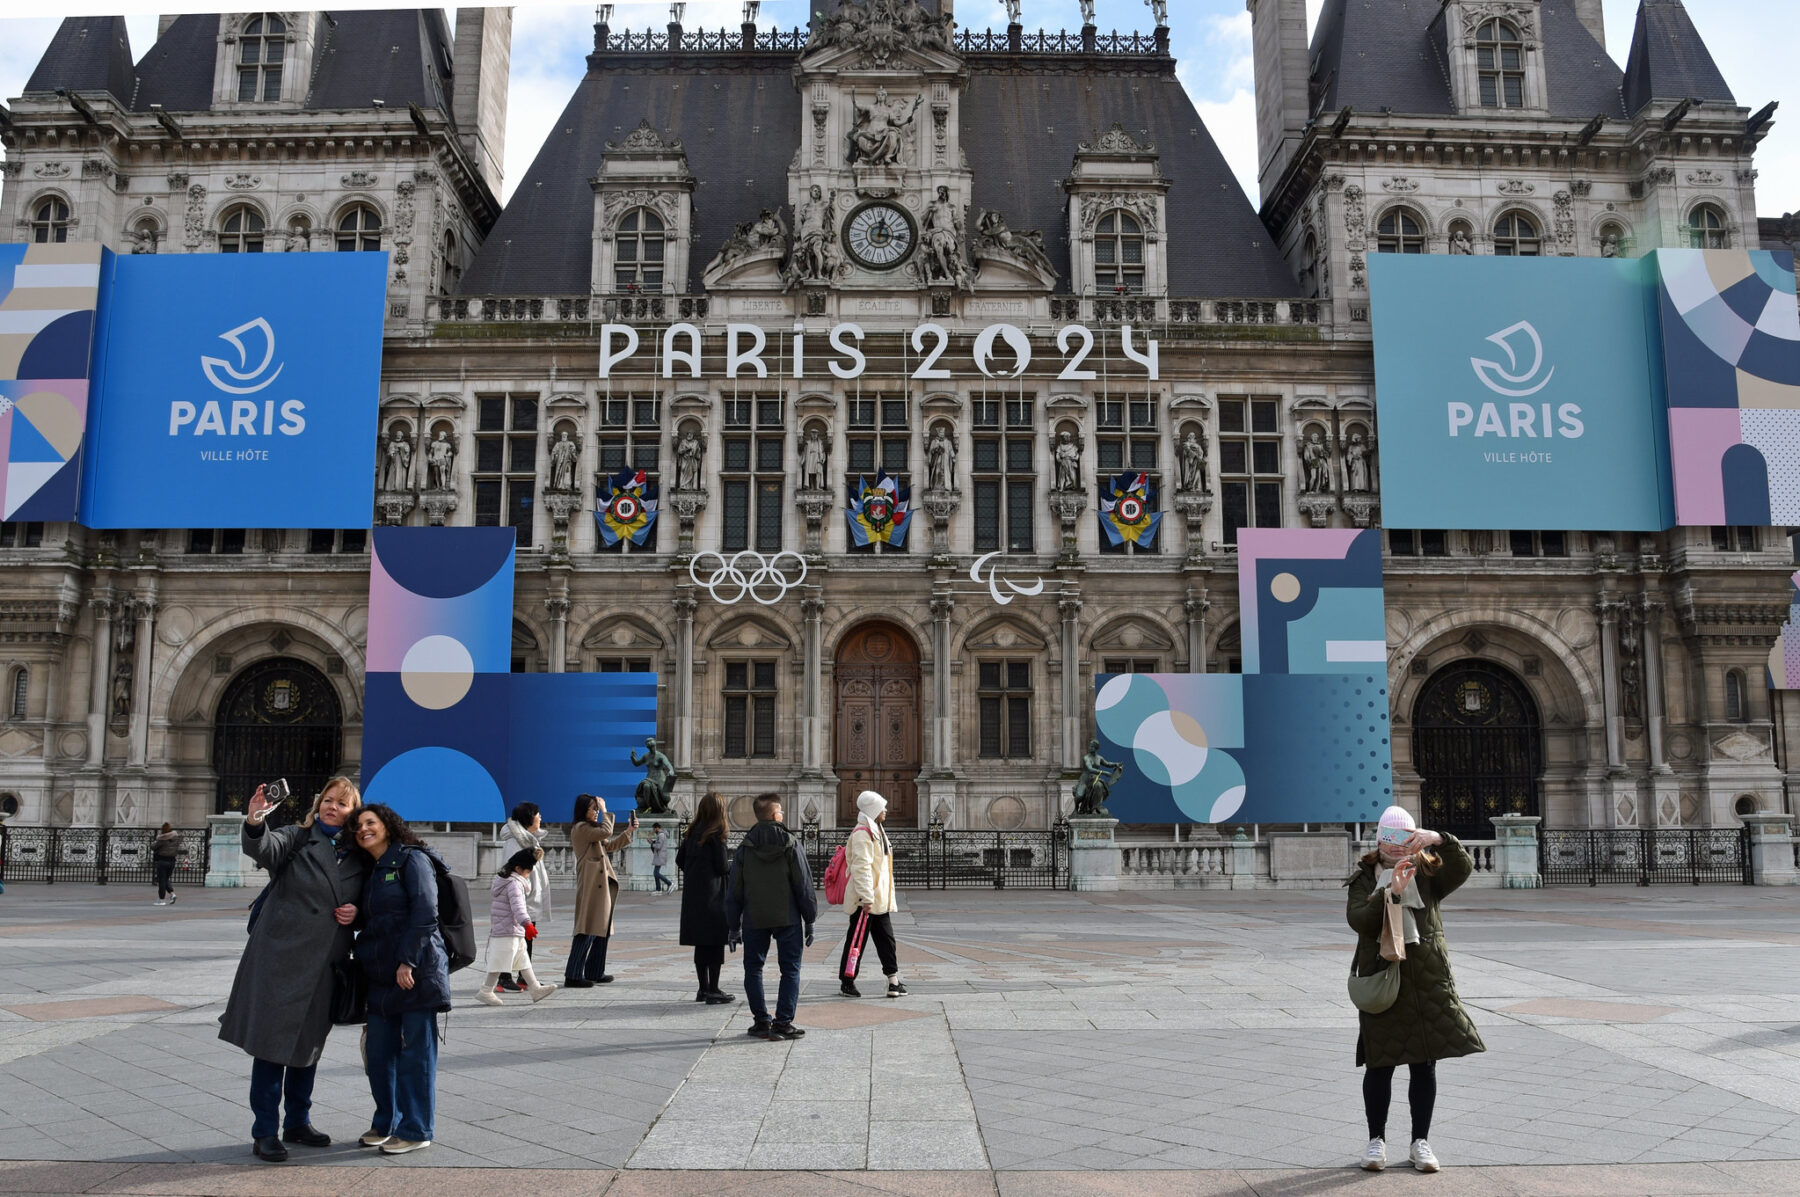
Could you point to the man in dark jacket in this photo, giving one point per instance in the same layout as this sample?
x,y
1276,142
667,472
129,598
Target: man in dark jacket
x,y
770,896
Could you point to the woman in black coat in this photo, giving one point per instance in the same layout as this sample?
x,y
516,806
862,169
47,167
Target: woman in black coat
x,y
704,869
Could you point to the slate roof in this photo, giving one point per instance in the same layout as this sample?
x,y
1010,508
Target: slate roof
x,y
740,127
1375,54
1669,60
87,54
393,55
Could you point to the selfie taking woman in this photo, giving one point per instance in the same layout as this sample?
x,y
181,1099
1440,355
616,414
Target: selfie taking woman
x,y
596,889
1399,887
402,953
280,1005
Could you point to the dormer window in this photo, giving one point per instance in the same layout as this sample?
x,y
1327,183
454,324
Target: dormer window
x,y
262,51
638,260
1500,65
1119,254
50,222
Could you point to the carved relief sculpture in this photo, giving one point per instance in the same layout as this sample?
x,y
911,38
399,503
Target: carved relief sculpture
x,y
1025,246
816,258
880,28
878,135
942,236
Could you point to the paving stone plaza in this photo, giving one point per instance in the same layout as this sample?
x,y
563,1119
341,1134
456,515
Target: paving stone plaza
x,y
1639,1041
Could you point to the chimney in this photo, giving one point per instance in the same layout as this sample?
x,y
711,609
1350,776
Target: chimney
x,y
1278,42
478,101
1590,13
162,24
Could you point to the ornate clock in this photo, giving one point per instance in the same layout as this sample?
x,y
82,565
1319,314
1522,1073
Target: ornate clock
x,y
880,235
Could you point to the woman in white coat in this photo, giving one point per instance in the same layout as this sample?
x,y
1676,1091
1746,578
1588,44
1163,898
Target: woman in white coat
x,y
869,896
526,831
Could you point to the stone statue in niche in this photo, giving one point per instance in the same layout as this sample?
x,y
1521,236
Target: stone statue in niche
x,y
878,137
813,452
1460,243
440,459
396,474
1609,245
1356,465
1193,463
121,692
942,235
688,451
562,462
1096,782
1068,461
816,257
940,461
1315,456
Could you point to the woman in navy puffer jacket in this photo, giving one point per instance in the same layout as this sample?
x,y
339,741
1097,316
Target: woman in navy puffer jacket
x,y
402,953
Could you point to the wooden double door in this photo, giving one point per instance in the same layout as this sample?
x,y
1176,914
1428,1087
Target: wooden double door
x,y
875,722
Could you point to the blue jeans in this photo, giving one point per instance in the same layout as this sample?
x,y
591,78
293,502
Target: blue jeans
x,y
402,1055
587,958
268,1081
790,941
661,881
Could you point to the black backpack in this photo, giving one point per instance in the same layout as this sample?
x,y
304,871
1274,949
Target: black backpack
x,y
455,916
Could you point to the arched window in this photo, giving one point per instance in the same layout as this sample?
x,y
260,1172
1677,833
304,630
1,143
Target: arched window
x,y
452,274
242,231
1500,65
1309,266
50,222
1516,236
1737,699
638,264
261,52
359,228
1707,229
1119,254
1746,804
1400,232
18,693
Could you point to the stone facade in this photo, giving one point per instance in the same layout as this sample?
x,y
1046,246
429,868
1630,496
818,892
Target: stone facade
x,y
1626,644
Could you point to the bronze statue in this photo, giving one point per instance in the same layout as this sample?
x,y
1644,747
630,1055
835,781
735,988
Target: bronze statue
x,y
1093,788
653,793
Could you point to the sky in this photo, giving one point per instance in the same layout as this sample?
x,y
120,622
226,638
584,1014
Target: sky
x,y
1753,42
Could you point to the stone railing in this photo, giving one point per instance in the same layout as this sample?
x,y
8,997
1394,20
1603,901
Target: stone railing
x,y
564,309
1244,864
1177,316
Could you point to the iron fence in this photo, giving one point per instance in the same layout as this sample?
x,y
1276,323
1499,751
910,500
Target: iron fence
x,y
937,857
98,855
1659,856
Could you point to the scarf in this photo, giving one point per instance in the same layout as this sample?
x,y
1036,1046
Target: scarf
x,y
876,831
1410,900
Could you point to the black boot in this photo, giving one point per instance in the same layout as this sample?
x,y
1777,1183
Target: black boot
x,y
269,1149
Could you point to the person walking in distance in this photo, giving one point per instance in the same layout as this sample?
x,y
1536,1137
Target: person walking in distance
x,y
770,898
704,871
869,897
525,828
659,860
166,852
1410,873
596,890
510,930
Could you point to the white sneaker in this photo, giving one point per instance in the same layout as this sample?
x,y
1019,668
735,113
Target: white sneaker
x,y
159,902
1422,1158
1375,1159
488,997
403,1146
542,992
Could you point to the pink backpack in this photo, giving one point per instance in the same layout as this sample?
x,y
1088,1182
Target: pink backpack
x,y
837,874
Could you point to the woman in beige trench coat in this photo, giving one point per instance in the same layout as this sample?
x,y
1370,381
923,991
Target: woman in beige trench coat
x,y
596,888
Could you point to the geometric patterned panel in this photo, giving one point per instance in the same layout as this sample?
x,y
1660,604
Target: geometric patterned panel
x,y
48,298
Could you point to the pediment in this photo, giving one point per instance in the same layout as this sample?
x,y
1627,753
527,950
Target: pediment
x,y
567,399
622,632
942,401
749,632
447,400
816,401
691,401
1190,399
1005,635
1134,635
1067,402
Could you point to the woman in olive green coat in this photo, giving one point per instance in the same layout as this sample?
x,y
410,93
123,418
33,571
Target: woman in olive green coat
x,y
1415,870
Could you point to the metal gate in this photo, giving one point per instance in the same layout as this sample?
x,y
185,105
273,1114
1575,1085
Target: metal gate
x,y
1659,856
939,858
95,854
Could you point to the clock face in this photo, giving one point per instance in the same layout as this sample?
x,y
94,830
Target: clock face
x,y
879,236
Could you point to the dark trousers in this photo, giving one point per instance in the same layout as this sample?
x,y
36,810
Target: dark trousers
x,y
587,958
662,883
1421,1095
165,878
403,1074
269,1081
709,958
880,929
790,941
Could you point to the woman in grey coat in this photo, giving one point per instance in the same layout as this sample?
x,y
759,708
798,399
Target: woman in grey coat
x,y
280,1005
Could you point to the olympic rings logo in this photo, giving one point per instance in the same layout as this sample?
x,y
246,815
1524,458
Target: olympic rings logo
x,y
768,573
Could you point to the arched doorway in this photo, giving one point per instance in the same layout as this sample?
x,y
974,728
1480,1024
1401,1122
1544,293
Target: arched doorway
x,y
278,718
1477,747
876,721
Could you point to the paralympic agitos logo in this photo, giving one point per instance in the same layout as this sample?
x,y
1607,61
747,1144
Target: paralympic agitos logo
x,y
241,416
1525,374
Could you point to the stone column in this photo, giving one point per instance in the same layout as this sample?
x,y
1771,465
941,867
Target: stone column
x,y
1653,687
1608,611
685,606
1069,605
812,612
943,738
99,676
1196,606
144,609
558,608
